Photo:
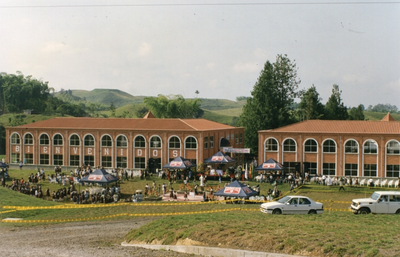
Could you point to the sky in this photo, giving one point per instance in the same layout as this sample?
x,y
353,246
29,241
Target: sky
x,y
217,48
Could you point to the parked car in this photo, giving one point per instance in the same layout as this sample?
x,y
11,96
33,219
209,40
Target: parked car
x,y
380,202
293,204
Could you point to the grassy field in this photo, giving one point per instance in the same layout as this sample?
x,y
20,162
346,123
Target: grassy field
x,y
241,226
334,233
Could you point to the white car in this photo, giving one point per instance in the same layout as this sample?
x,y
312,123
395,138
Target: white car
x,y
293,204
379,202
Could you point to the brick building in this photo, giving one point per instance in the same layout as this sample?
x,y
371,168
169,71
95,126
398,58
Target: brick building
x,y
336,148
117,142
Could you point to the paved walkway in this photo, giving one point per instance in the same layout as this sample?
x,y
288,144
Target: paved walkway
x,y
210,251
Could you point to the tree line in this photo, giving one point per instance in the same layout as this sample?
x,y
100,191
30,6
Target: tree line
x,y
272,102
19,93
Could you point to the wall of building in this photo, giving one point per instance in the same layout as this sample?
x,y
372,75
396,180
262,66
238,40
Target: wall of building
x,y
31,150
351,161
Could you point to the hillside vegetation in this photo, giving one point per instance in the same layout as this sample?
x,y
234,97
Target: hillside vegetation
x,y
102,96
379,115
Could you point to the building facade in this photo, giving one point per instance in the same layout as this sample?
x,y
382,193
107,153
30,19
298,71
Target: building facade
x,y
118,143
336,148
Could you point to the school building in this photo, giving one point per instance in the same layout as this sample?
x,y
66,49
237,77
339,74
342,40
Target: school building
x,y
336,147
118,142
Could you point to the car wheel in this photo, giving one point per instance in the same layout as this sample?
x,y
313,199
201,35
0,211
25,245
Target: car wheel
x,y
312,212
363,211
398,211
277,211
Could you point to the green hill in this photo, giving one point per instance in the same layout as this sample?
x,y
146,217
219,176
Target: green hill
x,y
102,96
220,104
379,115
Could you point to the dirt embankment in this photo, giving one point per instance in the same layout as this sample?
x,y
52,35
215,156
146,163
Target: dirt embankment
x,y
97,238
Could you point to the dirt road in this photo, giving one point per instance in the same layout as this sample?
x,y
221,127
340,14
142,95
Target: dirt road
x,y
97,238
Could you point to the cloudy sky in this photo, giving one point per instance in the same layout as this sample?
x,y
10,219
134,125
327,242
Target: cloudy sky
x,y
216,47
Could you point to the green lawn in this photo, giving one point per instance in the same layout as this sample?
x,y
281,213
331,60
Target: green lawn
x,y
334,233
242,226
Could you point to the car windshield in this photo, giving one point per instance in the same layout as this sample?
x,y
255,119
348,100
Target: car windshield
x,y
375,196
284,199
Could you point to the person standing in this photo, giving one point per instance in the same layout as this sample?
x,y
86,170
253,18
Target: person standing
x,y
20,165
341,184
126,175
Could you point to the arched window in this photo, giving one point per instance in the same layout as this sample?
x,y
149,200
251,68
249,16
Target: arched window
x,y
122,141
370,147
44,139
155,142
393,147
351,146
310,146
58,159
88,140
140,142
329,146
271,145
74,141
28,139
88,158
106,141
289,145
58,140
44,157
190,143
15,139
174,143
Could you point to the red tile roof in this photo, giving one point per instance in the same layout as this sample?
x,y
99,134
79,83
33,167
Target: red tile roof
x,y
149,115
341,126
388,117
128,124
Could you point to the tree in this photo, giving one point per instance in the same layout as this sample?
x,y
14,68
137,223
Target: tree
x,y
141,111
241,98
310,106
271,101
112,109
334,108
383,108
357,113
18,93
174,106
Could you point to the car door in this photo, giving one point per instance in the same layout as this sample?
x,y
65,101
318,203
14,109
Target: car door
x,y
394,203
291,206
382,205
304,205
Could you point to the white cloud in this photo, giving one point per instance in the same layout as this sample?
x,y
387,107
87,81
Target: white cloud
x,y
246,67
52,47
353,78
145,49
211,65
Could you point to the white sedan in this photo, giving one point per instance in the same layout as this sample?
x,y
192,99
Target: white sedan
x,y
293,204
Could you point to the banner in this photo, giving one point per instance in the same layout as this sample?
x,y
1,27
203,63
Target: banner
x,y
236,150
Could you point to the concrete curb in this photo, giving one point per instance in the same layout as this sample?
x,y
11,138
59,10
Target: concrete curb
x,y
210,251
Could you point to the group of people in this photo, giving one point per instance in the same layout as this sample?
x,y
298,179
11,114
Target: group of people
x,y
107,195
26,188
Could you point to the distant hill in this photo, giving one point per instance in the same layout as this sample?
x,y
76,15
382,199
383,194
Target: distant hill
x,y
102,96
220,104
379,115
220,110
